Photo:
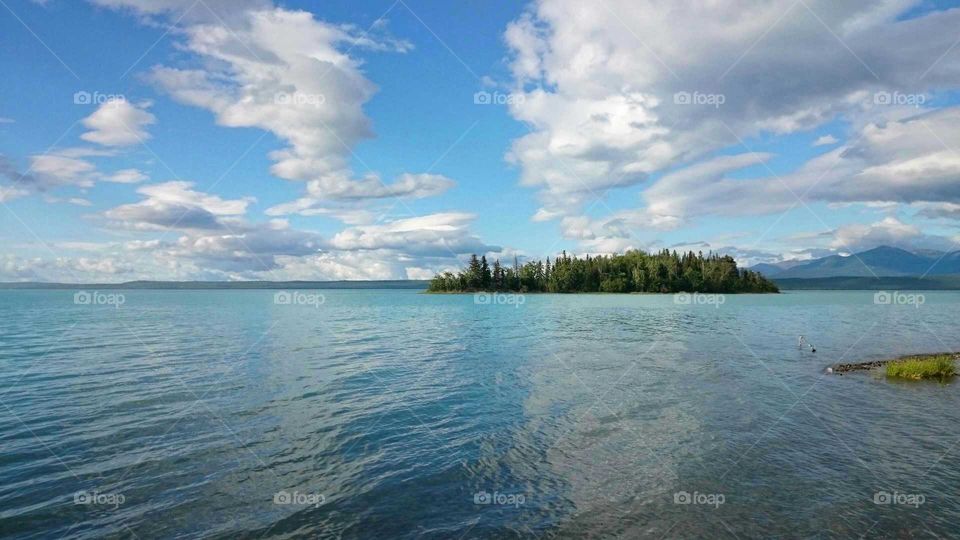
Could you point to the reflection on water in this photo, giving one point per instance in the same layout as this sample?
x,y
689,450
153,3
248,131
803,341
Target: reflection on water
x,y
402,415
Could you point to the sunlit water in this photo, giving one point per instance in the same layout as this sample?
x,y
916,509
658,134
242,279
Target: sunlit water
x,y
394,414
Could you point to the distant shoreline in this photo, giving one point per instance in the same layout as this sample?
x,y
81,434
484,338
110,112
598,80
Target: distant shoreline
x,y
412,284
792,285
859,283
602,293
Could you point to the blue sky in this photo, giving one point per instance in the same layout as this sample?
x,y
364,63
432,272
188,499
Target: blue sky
x,y
832,133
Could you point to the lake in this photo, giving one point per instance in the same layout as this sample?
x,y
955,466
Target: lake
x,y
395,414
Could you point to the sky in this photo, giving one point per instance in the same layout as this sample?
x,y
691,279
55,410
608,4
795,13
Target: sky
x,y
259,139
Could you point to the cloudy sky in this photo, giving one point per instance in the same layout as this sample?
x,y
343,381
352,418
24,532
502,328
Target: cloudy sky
x,y
258,139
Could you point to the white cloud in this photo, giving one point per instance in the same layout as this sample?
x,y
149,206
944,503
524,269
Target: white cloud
x,y
118,123
618,92
176,205
217,241
63,269
343,266
441,235
890,231
10,193
320,192
856,237
415,186
203,10
284,71
126,176
57,169
898,161
542,214
53,169
825,140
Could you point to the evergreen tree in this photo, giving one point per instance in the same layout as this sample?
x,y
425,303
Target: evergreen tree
x,y
633,271
474,273
485,278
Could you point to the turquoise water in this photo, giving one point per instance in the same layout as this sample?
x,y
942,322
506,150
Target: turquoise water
x,y
393,414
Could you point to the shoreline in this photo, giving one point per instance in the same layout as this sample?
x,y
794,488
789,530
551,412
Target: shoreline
x,y
597,292
840,369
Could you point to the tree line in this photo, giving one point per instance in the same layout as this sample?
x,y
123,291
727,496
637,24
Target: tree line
x,y
633,271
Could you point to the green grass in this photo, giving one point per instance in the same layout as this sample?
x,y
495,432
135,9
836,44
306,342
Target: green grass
x,y
938,366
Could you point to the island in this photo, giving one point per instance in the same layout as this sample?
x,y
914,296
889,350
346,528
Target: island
x,y
632,272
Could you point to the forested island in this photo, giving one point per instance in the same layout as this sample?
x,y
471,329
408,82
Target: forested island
x,y
633,271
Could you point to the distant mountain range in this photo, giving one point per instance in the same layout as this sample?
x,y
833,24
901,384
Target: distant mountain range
x,y
883,261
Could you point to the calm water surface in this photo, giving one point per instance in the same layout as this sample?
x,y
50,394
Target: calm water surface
x,y
394,414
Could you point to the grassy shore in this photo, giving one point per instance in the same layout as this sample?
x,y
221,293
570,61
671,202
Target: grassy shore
x,y
939,366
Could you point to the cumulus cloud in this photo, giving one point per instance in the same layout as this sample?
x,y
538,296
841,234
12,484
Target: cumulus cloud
x,y
938,210
341,189
618,92
126,176
118,123
9,193
176,205
190,9
248,251
285,71
46,172
443,235
216,240
63,269
56,169
890,231
825,140
114,124
898,161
